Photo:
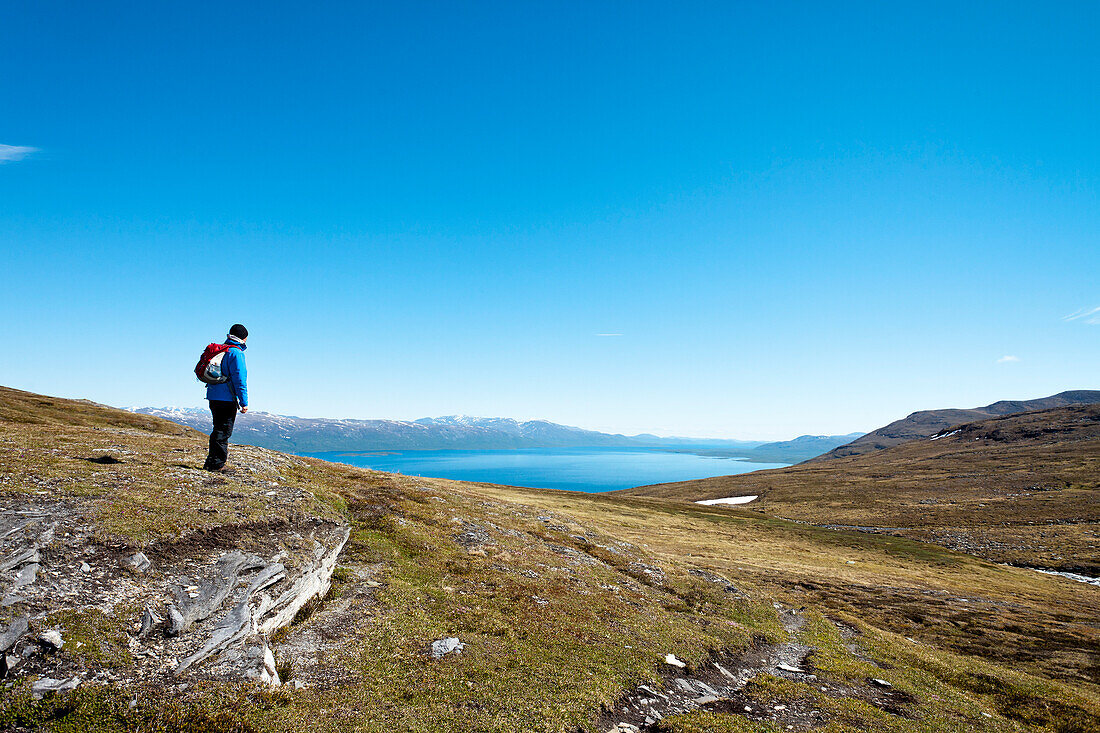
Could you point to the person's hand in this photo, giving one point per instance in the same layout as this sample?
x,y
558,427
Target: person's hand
x,y
244,409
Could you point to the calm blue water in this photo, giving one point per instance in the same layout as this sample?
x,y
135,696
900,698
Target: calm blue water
x,y
574,469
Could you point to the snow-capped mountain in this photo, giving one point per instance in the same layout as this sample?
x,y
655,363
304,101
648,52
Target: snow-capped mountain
x,y
288,433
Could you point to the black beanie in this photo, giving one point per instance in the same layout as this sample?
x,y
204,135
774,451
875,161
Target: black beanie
x,y
239,331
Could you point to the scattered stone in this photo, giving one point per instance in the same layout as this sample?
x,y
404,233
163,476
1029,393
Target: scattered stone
x,y
51,640
85,567
176,621
472,535
705,700
880,683
671,659
791,668
705,688
47,684
445,646
138,562
149,620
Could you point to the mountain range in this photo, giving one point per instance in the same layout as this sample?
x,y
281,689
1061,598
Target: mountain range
x,y
463,432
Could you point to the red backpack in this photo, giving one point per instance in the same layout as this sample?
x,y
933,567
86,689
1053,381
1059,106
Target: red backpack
x,y
209,368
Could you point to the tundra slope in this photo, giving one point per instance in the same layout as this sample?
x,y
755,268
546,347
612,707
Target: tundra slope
x,y
1020,489
575,612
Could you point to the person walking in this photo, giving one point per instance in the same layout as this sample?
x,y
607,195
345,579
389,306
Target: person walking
x,y
225,397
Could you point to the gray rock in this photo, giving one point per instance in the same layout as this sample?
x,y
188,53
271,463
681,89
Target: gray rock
x,y
85,567
138,562
210,593
26,576
47,684
880,683
13,633
149,620
314,582
176,622
261,665
704,688
20,559
51,640
445,646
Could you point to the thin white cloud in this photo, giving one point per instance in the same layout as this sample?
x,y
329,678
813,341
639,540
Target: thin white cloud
x,y
1090,316
1007,358
12,153
609,334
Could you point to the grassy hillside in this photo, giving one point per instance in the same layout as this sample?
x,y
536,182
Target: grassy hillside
x,y
1021,489
926,423
567,604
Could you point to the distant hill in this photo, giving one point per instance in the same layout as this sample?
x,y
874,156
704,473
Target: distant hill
x,y
460,432
1019,488
926,423
785,451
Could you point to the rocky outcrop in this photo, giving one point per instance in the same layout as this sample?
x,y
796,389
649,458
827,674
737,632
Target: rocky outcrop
x,y
202,607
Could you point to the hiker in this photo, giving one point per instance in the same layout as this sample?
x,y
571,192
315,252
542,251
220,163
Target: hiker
x,y
225,397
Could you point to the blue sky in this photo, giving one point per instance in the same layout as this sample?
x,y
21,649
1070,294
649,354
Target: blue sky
x,y
793,217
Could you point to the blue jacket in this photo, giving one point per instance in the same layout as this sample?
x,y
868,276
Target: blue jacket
x,y
237,386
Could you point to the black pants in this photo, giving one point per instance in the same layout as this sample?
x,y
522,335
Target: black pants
x,y
224,413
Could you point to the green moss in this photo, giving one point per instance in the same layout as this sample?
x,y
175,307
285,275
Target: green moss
x,y
102,709
95,638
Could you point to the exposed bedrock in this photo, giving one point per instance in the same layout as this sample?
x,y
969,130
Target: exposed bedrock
x,y
204,608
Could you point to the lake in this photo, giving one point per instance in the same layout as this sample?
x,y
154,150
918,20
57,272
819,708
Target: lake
x,y
573,469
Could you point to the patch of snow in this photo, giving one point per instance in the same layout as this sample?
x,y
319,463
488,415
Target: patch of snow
x,y
1072,576
729,500
943,435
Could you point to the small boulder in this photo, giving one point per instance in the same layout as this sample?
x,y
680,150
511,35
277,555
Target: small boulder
x,y
880,683
138,562
51,640
442,647
47,684
671,659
